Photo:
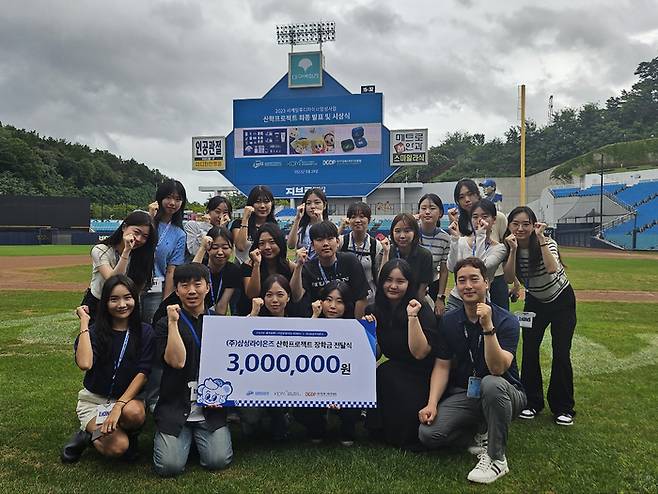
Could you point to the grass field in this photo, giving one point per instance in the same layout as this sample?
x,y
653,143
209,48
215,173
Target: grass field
x,y
611,448
43,250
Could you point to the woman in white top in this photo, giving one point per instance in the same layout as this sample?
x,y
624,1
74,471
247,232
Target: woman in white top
x,y
535,260
480,244
129,250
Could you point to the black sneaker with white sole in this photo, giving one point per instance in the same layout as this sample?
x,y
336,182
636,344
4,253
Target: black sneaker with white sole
x,y
528,414
564,419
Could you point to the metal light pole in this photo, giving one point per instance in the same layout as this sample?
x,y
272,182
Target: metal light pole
x,y
601,201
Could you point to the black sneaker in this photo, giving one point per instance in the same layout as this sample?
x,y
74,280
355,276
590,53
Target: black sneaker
x,y
72,451
132,453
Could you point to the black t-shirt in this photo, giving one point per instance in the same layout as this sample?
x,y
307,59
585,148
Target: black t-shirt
x,y
453,344
347,268
228,277
173,406
420,260
136,359
393,333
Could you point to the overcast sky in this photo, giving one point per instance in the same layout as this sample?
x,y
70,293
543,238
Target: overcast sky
x,y
140,78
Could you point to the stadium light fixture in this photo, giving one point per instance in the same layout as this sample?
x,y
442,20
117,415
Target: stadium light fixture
x,y
305,33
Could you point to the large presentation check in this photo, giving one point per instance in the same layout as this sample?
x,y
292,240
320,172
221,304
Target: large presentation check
x,y
282,361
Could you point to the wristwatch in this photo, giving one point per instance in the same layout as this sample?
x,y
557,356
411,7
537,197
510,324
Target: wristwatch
x,y
489,333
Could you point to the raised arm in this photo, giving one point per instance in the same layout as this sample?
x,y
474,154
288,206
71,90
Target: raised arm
x,y
497,359
292,236
175,353
84,354
418,344
240,239
510,265
550,260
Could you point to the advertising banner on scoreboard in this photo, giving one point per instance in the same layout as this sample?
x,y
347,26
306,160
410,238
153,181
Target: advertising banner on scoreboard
x,y
337,142
281,362
409,147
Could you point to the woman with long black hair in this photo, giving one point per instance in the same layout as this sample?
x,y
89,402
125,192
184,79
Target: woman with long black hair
x,y
313,209
535,260
129,250
466,194
336,302
258,211
170,249
267,256
406,330
115,353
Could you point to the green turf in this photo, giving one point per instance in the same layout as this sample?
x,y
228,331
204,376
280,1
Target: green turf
x,y
44,250
69,274
591,273
611,448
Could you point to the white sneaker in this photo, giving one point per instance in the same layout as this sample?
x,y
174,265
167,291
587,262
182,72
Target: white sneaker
x,y
480,443
528,414
564,419
487,470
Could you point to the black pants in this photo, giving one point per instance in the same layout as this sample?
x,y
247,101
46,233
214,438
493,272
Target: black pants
x,y
315,421
561,315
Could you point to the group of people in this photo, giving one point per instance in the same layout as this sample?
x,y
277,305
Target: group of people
x,y
449,373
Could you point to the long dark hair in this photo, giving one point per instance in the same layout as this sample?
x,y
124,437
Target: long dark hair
x,y
267,284
410,221
384,311
140,268
534,250
345,293
464,222
282,265
257,194
306,219
165,189
436,200
103,321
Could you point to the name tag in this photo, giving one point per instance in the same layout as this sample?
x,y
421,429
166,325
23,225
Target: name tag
x,y
158,284
103,412
193,394
473,390
525,318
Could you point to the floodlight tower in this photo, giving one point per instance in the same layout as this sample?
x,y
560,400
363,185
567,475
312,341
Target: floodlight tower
x,y
305,33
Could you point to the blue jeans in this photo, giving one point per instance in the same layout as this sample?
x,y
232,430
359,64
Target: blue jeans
x,y
170,452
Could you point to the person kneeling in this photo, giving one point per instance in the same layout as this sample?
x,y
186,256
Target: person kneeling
x,y
482,390
115,352
178,418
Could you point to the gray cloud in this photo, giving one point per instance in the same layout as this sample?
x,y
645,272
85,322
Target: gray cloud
x,y
141,78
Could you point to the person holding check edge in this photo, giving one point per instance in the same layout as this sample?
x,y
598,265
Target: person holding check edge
x,y
475,384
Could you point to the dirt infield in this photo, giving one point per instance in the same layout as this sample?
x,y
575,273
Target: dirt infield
x,y
23,273
608,254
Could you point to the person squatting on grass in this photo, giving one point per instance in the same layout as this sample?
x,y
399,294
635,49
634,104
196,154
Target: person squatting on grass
x,y
178,418
129,250
535,260
116,354
475,384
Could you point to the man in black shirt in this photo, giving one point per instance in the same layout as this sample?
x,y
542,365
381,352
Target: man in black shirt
x,y
178,418
327,266
475,380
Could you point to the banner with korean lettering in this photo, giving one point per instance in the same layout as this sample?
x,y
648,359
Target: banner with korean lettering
x,y
337,142
409,147
208,153
287,362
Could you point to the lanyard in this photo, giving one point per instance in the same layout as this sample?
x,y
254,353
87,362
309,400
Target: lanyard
x,y
118,361
486,245
219,289
324,275
359,253
164,234
195,336
470,352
